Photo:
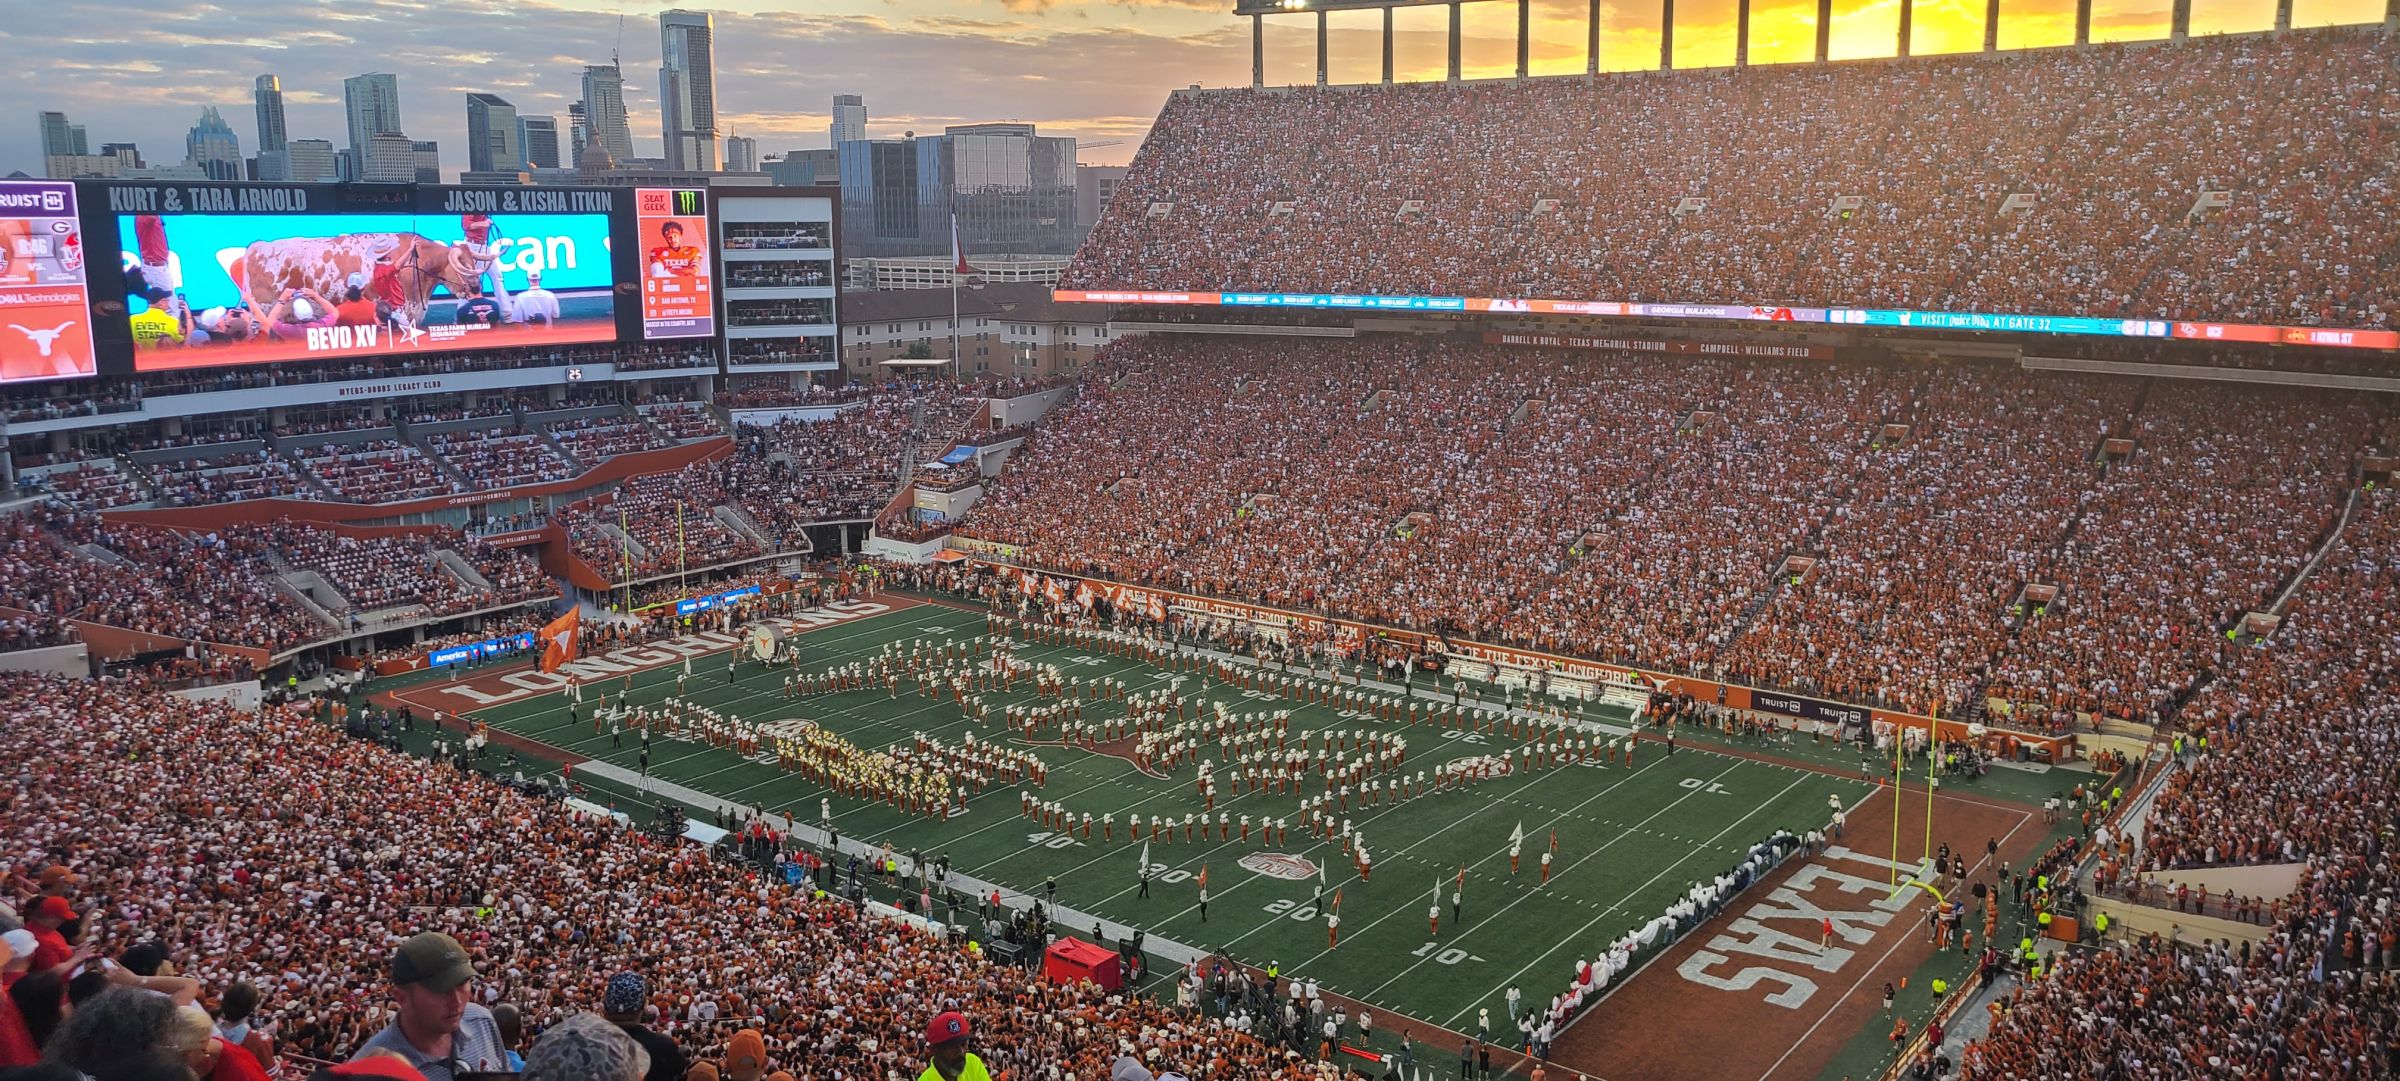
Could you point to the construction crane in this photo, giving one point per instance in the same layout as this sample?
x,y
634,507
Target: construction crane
x,y
1096,146
615,51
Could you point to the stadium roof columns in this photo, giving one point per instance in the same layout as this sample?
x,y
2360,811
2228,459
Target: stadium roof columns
x,y
1259,10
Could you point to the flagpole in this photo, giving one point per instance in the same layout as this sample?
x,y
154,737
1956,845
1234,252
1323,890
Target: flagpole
x,y
958,271
954,276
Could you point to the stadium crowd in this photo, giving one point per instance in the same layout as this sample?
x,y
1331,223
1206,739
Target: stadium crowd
x,y
1717,186
493,458
558,915
1642,512
594,439
377,471
194,586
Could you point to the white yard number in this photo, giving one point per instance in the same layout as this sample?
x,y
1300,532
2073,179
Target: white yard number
x,y
1704,786
1047,839
1297,910
1463,736
934,628
1159,871
1080,659
1450,956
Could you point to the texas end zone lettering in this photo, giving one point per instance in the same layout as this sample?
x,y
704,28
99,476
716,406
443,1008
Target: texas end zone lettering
x,y
526,683
1778,937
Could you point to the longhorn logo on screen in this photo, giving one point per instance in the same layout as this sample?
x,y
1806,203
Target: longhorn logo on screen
x,y
43,339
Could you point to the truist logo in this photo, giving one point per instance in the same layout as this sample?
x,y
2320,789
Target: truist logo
x,y
49,200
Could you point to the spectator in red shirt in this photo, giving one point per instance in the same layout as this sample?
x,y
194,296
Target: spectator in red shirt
x,y
44,920
17,1045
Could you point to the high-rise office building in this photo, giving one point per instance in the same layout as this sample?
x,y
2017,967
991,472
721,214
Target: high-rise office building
x,y
804,168
849,119
537,136
687,89
60,138
578,132
492,134
1013,191
426,156
1095,185
128,155
212,145
373,104
741,154
310,161
390,158
267,99
604,120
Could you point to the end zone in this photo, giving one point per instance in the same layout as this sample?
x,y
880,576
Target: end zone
x,y
1765,967
466,696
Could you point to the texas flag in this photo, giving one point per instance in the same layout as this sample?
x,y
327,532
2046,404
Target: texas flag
x,y
559,639
958,250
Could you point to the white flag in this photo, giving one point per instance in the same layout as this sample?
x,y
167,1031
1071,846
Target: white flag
x,y
1145,864
1517,837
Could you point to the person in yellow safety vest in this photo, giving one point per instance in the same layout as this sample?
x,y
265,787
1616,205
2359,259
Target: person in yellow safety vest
x,y
1940,987
946,1045
2044,920
2100,924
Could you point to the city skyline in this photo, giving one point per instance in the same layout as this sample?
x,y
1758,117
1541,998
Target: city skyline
x,y
1001,59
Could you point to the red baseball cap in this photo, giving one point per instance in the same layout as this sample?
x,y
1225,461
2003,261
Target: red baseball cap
x,y
388,1066
53,907
949,1025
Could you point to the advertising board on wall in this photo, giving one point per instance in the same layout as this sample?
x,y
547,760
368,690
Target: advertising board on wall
x,y
678,277
45,315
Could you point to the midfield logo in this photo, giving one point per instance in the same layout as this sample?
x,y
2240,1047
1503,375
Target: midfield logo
x,y
1281,865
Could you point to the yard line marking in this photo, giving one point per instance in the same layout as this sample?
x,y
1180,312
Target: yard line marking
x,y
1630,895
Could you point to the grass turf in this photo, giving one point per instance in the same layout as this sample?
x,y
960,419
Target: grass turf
x,y
1630,839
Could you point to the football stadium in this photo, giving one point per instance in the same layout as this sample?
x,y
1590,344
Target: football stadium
x,y
1844,569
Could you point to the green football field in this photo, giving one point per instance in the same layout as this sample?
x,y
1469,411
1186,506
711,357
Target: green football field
x,y
1630,840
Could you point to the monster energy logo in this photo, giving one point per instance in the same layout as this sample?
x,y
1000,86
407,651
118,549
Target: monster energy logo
x,y
687,203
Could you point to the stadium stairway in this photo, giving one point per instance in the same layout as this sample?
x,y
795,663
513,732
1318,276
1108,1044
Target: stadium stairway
x,y
2341,524
314,595
623,540
448,471
543,434
462,570
738,520
307,476
134,476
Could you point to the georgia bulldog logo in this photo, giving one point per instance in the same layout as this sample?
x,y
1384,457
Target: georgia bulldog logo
x,y
1282,865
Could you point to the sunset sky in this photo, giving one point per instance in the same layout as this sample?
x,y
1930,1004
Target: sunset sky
x,y
1094,69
